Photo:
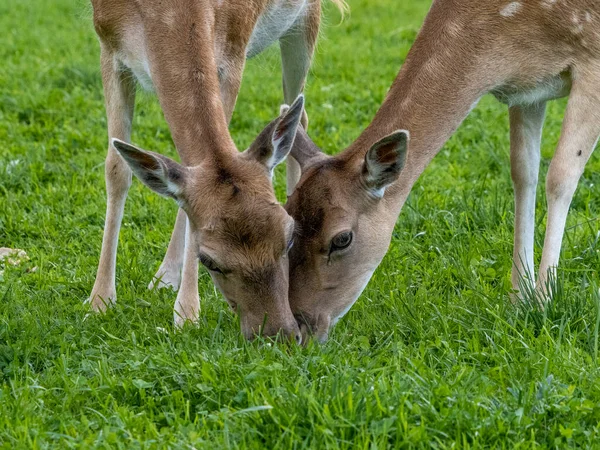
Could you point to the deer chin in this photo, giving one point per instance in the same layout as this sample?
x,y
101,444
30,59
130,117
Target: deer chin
x,y
319,324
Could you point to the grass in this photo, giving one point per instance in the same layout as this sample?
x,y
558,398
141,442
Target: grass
x,y
432,355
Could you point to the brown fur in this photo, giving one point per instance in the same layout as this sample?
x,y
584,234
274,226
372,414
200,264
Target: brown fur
x,y
466,48
193,53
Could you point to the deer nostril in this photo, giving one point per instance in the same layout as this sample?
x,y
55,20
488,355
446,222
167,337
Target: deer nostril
x,y
298,338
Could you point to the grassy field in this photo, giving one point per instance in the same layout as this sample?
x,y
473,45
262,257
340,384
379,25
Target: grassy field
x,y
432,354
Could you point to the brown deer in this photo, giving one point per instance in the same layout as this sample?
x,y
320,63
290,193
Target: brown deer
x,y
192,52
525,53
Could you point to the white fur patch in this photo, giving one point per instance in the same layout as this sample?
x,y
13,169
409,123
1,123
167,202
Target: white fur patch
x,y
454,28
133,56
170,18
511,9
549,89
548,3
273,23
579,21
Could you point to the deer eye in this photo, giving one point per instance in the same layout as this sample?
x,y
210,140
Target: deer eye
x,y
341,241
209,263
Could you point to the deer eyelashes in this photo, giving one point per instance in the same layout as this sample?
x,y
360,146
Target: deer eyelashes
x,y
341,241
210,264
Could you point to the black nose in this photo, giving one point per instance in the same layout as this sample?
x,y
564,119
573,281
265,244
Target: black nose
x,y
292,334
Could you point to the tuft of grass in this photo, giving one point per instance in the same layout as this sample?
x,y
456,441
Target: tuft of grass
x,y
432,355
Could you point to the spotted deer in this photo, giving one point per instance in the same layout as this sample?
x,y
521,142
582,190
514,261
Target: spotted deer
x,y
523,52
192,52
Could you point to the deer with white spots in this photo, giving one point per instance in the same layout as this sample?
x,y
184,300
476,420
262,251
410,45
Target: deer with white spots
x,y
525,53
192,52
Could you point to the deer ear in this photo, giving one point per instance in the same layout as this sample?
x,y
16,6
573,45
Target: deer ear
x,y
285,131
161,174
384,161
274,143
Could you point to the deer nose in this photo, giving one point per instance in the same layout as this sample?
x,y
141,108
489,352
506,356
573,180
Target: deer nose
x,y
298,337
292,334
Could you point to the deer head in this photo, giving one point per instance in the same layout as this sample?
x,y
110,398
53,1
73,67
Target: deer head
x,y
242,234
343,226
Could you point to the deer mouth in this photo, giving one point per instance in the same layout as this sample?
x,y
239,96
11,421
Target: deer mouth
x,y
306,329
312,327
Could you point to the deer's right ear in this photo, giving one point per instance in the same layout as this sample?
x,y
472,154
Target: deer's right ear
x,y
161,174
274,143
287,126
384,161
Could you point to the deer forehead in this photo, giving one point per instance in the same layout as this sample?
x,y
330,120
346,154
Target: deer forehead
x,y
254,226
246,251
317,215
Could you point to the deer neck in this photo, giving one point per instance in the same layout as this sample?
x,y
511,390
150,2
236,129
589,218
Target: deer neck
x,y
185,74
441,80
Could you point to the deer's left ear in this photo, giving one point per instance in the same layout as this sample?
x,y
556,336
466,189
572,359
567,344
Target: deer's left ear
x,y
275,142
384,161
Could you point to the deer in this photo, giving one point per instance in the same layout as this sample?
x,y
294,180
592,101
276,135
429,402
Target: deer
x,y
192,54
525,53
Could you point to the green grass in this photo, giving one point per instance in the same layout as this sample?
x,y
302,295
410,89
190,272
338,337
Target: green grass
x,y
432,354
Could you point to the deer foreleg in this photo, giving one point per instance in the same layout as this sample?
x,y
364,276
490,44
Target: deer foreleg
x,y
119,93
580,131
525,137
297,48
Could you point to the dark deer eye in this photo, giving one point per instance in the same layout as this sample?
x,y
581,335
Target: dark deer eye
x,y
209,263
341,241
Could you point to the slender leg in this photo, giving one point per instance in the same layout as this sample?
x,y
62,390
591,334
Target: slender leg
x,y
187,305
169,272
526,124
297,47
580,131
119,93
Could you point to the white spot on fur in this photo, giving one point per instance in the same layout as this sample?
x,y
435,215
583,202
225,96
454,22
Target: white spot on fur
x,y
454,29
170,18
578,26
511,9
588,16
430,65
548,3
